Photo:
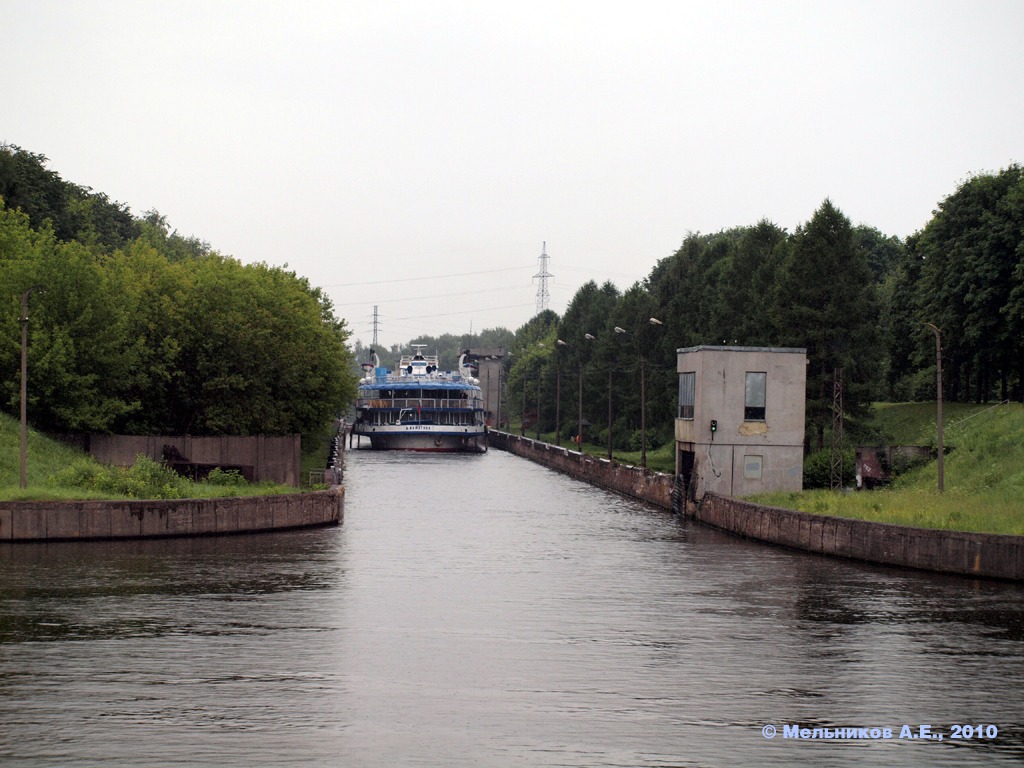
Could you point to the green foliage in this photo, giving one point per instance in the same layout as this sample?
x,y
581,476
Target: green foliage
x,y
225,477
71,212
826,302
146,479
140,330
818,469
965,274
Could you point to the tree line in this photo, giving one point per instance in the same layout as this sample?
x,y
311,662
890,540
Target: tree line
x,y
856,299
135,329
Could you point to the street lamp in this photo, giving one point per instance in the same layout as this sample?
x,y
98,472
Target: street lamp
x,y
558,391
938,387
643,400
24,378
579,425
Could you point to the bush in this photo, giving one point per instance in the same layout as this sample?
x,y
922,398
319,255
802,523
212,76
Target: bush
x,y
146,479
227,477
818,469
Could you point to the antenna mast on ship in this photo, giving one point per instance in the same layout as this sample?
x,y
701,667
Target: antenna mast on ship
x,y
542,287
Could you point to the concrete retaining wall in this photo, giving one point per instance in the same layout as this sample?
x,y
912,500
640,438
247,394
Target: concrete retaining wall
x,y
971,554
652,487
276,459
85,520
966,554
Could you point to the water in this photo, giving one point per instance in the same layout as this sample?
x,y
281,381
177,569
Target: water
x,y
483,611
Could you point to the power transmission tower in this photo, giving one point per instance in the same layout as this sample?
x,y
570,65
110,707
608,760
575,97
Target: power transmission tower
x,y
542,287
376,323
837,429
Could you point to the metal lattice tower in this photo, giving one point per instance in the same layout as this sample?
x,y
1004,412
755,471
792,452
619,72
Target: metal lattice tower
x,y
542,287
837,429
376,323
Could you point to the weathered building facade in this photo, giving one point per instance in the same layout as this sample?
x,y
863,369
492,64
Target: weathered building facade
x,y
740,423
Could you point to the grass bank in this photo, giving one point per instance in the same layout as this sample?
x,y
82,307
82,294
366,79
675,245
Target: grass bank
x,y
55,471
661,459
983,473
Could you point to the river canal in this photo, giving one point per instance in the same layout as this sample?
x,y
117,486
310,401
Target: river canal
x,y
484,611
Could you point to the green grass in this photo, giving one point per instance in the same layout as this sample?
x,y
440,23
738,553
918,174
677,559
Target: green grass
x,y
660,459
55,471
983,473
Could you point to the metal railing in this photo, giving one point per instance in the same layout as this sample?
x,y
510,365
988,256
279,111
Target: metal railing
x,y
424,403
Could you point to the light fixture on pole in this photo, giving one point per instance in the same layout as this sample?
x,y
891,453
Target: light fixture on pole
x,y
579,424
643,402
558,391
643,398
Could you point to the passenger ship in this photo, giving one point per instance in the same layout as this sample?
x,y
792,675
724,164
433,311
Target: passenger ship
x,y
420,407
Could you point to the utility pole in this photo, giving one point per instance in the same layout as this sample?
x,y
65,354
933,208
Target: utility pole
x,y
837,430
938,391
23,480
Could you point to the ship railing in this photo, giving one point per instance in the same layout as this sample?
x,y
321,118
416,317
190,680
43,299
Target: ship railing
x,y
425,403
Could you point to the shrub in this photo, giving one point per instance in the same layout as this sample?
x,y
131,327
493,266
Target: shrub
x,y
146,479
818,469
226,477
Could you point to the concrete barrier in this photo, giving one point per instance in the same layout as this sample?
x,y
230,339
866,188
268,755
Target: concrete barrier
x,y
96,520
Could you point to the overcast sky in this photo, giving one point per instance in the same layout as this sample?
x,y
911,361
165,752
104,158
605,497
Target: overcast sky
x,y
416,155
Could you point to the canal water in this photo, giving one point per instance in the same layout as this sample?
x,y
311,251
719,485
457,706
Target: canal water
x,y
484,611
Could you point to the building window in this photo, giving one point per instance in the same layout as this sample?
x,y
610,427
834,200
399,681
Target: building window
x,y
752,467
686,394
753,409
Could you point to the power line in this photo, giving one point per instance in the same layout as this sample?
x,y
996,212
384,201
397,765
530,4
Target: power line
x,y
420,279
430,297
462,312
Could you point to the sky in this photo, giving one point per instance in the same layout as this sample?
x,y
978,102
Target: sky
x,y
417,156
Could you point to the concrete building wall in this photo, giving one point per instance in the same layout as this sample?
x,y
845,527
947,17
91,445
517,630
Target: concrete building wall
x,y
489,365
744,455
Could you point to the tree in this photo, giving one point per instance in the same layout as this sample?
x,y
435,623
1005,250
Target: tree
x,y
971,284
745,276
826,302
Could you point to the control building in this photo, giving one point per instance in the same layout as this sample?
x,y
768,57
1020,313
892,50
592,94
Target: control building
x,y
740,423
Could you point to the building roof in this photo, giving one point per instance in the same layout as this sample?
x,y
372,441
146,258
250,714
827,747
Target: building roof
x,y
711,347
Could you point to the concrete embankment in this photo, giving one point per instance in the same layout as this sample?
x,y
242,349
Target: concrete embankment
x,y
652,487
955,552
94,520
968,554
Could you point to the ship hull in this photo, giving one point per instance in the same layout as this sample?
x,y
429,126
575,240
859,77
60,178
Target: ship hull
x,y
382,438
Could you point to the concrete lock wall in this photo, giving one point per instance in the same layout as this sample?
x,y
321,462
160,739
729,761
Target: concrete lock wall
x,y
637,482
94,520
973,554
277,459
967,554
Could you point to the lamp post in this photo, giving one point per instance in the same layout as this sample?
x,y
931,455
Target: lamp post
x,y
643,400
579,426
938,387
539,344
558,390
24,379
